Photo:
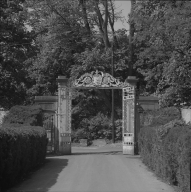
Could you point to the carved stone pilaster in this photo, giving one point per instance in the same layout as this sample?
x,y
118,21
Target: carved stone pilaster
x,y
129,111
64,116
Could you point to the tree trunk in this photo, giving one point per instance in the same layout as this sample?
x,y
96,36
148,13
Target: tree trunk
x,y
85,17
113,33
131,38
111,22
103,23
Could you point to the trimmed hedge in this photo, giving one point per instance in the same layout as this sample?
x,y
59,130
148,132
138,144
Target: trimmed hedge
x,y
166,149
22,149
160,116
26,115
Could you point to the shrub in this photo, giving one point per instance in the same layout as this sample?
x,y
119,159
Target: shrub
x,y
160,116
166,149
2,114
27,115
98,127
183,152
22,149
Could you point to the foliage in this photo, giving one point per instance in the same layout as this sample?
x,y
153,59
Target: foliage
x,y
184,159
15,47
160,116
166,149
26,115
72,37
22,149
72,41
97,127
58,36
67,38
63,29
163,49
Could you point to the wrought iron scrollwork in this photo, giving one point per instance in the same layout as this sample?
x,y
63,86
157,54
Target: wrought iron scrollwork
x,y
98,79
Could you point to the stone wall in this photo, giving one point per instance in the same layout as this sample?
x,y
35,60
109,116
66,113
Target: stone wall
x,y
186,115
2,114
149,102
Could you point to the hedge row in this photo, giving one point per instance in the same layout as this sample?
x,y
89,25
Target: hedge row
x,y
22,149
26,115
159,117
166,149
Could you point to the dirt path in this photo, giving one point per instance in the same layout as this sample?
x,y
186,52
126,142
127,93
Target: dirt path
x,y
94,169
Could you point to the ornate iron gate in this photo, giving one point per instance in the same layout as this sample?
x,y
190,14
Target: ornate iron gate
x,y
48,124
97,80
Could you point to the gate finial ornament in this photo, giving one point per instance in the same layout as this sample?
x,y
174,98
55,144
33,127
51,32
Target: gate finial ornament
x,y
97,78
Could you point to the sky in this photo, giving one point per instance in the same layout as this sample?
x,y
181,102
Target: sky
x,y
124,6
121,5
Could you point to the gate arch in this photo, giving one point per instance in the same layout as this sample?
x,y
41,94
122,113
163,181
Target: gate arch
x,y
97,80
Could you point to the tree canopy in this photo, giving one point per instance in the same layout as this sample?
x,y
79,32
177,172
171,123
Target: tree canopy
x,y
15,47
163,33
72,37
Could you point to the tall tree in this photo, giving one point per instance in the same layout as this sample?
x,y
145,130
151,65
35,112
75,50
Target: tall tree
x,y
15,47
163,31
131,38
83,4
74,37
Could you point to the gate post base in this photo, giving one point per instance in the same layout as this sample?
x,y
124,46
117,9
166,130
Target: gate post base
x,y
65,148
128,144
128,150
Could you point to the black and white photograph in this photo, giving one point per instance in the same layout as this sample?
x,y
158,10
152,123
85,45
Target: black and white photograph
x,y
95,96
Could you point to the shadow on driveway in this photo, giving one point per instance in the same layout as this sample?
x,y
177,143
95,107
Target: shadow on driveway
x,y
44,178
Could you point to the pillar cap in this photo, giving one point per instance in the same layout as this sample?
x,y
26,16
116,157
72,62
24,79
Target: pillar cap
x,y
132,79
62,79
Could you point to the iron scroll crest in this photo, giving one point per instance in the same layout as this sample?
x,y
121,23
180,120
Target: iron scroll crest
x,y
98,79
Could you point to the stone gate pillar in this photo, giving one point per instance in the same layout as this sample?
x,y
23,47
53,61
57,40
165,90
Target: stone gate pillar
x,y
129,117
64,116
